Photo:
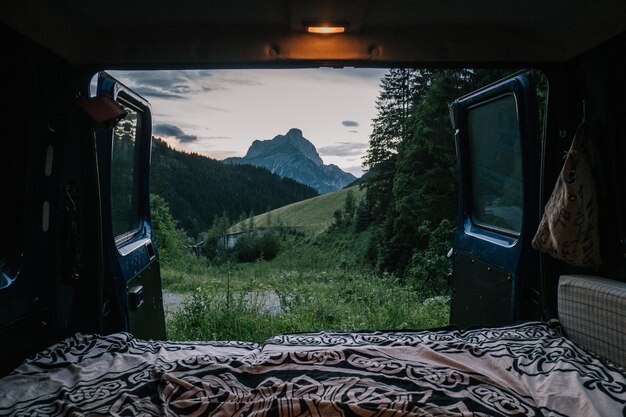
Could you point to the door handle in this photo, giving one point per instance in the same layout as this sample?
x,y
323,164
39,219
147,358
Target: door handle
x,y
135,297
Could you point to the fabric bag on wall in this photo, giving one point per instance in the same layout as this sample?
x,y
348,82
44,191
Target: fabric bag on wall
x,y
569,227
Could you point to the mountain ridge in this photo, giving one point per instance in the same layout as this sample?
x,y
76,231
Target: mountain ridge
x,y
293,156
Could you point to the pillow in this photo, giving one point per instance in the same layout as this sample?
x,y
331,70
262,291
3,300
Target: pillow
x,y
592,311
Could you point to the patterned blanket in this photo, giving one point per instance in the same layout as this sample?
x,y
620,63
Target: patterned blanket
x,y
524,370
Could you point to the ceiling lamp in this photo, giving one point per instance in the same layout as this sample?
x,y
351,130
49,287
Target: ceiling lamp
x,y
325,29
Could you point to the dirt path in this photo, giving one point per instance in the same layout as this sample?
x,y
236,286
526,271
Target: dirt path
x,y
268,300
172,301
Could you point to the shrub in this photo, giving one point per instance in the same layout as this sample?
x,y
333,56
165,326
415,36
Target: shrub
x,y
257,245
170,240
211,247
428,267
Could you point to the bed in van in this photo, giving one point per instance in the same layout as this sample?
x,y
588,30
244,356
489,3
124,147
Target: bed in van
x,y
532,332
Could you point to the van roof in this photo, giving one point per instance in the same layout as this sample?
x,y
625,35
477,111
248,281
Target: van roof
x,y
191,33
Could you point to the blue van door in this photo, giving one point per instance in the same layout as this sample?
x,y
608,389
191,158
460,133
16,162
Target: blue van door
x,y
495,274
132,286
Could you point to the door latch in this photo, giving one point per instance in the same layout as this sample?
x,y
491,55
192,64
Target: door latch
x,y
135,297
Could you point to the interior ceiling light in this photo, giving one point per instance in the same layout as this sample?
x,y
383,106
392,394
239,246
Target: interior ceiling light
x,y
325,29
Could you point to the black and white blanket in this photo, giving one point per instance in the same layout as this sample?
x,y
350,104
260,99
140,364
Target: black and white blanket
x,y
524,370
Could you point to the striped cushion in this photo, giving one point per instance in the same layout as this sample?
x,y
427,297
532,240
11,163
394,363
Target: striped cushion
x,y
592,311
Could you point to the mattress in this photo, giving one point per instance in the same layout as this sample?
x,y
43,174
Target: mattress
x,y
527,369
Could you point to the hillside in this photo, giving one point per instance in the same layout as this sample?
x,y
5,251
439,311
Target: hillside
x,y
198,188
293,156
310,216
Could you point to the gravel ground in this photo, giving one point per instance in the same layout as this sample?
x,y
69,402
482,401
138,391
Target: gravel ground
x,y
172,300
269,301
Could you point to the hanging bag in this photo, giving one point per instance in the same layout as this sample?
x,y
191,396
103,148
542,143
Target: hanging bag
x,y
569,227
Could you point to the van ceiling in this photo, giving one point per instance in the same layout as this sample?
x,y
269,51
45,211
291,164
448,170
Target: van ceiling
x,y
188,33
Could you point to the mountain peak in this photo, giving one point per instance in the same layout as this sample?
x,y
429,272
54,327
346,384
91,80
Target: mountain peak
x,y
294,132
292,143
294,156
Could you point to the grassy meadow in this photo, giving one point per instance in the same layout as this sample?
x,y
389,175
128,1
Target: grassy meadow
x,y
314,284
321,279
308,216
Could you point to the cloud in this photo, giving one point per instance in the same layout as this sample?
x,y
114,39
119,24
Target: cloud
x,y
241,81
366,74
353,131
355,76
147,91
343,149
356,170
170,84
214,108
350,123
163,78
167,84
173,131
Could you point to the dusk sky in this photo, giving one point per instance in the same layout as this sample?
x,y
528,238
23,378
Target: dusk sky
x,y
218,113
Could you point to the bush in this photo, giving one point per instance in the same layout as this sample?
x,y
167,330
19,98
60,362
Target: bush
x,y
171,241
429,267
211,247
257,245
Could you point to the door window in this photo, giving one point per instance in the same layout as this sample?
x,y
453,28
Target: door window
x,y
124,175
496,165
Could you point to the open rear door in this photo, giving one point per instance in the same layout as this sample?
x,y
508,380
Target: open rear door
x,y
495,278
132,285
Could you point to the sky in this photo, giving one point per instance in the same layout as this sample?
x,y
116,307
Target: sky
x,y
218,113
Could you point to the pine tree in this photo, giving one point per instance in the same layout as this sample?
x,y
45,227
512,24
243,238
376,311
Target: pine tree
x,y
399,89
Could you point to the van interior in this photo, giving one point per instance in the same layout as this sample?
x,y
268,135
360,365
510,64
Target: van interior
x,y
67,270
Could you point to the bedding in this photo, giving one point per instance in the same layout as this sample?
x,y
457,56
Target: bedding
x,y
527,369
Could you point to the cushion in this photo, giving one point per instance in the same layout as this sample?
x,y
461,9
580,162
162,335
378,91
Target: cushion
x,y
592,311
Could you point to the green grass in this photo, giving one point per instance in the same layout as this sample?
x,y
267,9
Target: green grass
x,y
330,301
321,284
309,216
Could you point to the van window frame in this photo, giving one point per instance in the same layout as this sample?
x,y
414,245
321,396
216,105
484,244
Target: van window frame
x,y
472,199
122,239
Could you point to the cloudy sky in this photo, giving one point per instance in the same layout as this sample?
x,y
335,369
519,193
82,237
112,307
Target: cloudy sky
x,y
219,113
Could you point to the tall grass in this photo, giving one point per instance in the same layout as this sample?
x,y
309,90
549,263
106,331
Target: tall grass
x,y
326,301
319,284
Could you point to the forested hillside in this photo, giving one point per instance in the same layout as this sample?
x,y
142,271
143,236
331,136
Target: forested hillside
x,y
197,188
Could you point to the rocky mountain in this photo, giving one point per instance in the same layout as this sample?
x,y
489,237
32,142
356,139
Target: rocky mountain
x,y
293,156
